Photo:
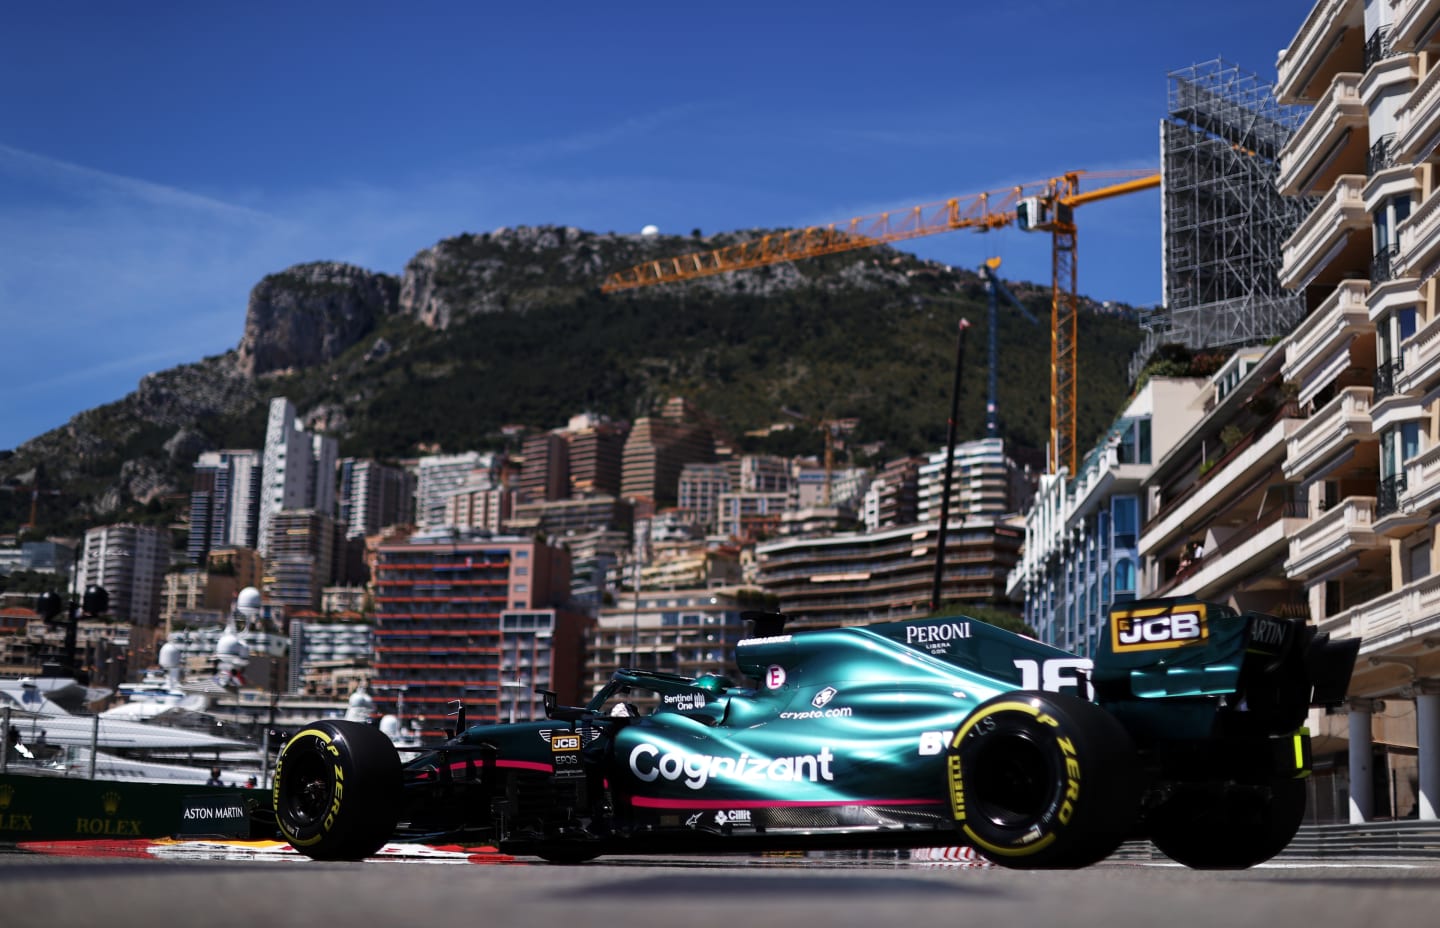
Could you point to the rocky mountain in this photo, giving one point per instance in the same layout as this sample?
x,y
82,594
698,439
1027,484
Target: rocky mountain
x,y
482,333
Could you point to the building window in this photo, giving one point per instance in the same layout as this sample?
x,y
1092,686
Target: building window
x,y
1124,510
1124,577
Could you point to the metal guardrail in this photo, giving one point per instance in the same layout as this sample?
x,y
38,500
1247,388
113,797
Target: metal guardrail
x,y
1396,840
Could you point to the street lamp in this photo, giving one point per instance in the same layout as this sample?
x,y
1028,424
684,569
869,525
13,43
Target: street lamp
x,y
95,601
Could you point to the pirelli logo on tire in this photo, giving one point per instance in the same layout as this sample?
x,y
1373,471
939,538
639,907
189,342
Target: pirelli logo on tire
x,y
1156,628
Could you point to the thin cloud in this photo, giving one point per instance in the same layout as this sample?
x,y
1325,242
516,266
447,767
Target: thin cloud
x,y
582,142
78,178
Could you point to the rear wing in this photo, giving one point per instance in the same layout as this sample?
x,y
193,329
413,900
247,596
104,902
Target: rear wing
x,y
1183,648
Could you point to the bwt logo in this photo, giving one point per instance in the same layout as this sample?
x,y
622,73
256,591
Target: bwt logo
x,y
1140,631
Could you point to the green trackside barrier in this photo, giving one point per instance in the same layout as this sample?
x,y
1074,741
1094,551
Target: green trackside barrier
x,y
39,808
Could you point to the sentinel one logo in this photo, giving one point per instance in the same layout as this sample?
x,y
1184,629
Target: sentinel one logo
x,y
649,763
1150,629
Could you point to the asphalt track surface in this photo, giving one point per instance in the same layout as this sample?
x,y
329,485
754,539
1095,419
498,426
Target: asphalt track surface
x,y
151,884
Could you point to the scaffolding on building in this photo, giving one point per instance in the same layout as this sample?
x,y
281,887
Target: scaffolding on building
x,y
1223,220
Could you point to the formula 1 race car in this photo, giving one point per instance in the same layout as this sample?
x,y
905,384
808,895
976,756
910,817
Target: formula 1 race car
x,y
1186,730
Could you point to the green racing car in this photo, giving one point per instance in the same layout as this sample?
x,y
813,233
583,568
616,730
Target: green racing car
x,y
1187,729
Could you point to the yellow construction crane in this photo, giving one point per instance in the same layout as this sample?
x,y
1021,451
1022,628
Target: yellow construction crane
x,y
832,430
1042,206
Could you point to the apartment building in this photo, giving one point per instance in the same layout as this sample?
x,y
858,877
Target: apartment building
x,y
545,474
129,561
439,475
299,469
854,578
684,631
985,481
374,495
893,496
1082,536
1364,364
656,450
224,502
445,627
302,558
597,448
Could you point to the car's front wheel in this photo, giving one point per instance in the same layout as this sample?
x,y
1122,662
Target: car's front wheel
x,y
337,789
1042,780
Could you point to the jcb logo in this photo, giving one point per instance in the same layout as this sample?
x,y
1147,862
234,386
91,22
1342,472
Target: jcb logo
x,y
564,742
1146,630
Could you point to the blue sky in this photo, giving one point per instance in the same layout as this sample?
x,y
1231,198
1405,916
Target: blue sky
x,y
157,159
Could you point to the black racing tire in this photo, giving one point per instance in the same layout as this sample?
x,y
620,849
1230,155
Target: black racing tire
x,y
1233,830
1043,781
567,855
337,790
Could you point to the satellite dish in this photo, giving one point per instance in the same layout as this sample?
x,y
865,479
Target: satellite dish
x,y
650,230
248,601
231,648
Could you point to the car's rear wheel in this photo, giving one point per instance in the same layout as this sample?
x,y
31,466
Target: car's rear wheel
x,y
561,854
1042,780
337,789
1232,830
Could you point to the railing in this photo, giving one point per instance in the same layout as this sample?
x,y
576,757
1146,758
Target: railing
x,y
1386,376
1381,155
1378,47
1382,266
1388,494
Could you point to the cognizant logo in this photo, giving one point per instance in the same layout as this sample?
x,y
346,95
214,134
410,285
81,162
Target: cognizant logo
x,y
649,763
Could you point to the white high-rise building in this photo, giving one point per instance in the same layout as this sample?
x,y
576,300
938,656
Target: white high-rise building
x,y
225,502
129,561
299,469
985,481
441,475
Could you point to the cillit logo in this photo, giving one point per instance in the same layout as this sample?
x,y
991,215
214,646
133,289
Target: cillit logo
x,y
1145,630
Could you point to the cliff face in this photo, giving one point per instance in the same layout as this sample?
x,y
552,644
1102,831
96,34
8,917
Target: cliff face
x,y
508,269
310,314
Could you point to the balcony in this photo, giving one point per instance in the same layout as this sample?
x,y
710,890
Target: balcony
x,y
1332,39
1417,121
1331,142
1421,357
1415,24
1394,516
1263,451
1420,240
1404,615
1338,535
1343,422
1422,482
1227,564
1325,231
1324,336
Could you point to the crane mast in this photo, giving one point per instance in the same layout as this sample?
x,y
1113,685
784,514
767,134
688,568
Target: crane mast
x,y
1044,206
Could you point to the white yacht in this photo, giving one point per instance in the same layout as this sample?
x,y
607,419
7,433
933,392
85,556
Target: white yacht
x,y
43,737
